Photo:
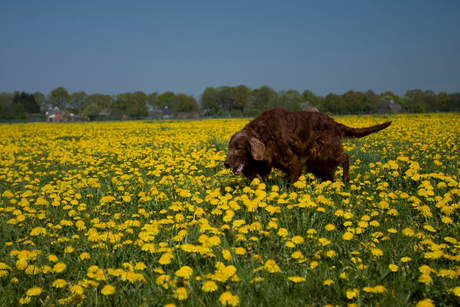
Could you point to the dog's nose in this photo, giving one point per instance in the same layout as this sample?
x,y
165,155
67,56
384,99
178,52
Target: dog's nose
x,y
227,164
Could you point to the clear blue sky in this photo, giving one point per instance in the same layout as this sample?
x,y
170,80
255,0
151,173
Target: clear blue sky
x,y
112,47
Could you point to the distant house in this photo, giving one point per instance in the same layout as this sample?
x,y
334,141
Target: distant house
x,y
184,115
387,106
57,115
307,106
161,112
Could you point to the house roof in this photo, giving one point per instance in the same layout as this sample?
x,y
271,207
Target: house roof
x,y
165,110
388,105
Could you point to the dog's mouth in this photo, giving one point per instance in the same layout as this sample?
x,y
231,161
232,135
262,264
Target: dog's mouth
x,y
239,169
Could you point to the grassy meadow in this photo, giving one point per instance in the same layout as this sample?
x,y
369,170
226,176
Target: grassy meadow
x,y
145,214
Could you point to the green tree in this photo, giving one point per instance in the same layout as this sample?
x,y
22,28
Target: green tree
x,y
184,103
444,101
91,110
373,98
406,102
78,102
59,97
209,102
455,101
225,97
31,105
429,100
417,96
290,100
138,105
41,100
333,103
356,102
121,104
418,108
152,99
164,100
6,108
261,97
103,101
241,94
17,108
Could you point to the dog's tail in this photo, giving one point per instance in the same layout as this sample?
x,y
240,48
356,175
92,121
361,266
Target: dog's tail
x,y
348,132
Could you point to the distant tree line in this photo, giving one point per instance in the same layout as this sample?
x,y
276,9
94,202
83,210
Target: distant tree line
x,y
239,100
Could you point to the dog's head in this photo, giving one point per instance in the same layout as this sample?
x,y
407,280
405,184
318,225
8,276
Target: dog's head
x,y
243,150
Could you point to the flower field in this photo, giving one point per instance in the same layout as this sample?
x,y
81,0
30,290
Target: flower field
x,y
145,214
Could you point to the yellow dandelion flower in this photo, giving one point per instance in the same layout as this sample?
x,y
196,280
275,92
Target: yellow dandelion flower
x,y
429,228
347,236
59,267
314,264
328,282
229,271
369,289
393,267
234,301
257,279
214,241
352,293
227,255
209,286
330,227
32,270
271,266
406,259
425,269
140,266
21,264
24,300
425,303
34,291
240,251
425,278
456,291
185,272
380,289
166,258
296,279
324,241
225,297
298,240
181,293
108,290
59,283
297,255
377,252
76,289
69,249
84,256
408,232
162,279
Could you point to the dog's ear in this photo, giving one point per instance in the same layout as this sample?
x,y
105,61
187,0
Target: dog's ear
x,y
257,149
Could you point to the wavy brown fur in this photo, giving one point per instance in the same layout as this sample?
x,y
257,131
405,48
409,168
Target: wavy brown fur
x,y
290,141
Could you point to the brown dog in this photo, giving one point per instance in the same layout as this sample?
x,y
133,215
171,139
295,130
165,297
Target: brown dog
x,y
289,141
